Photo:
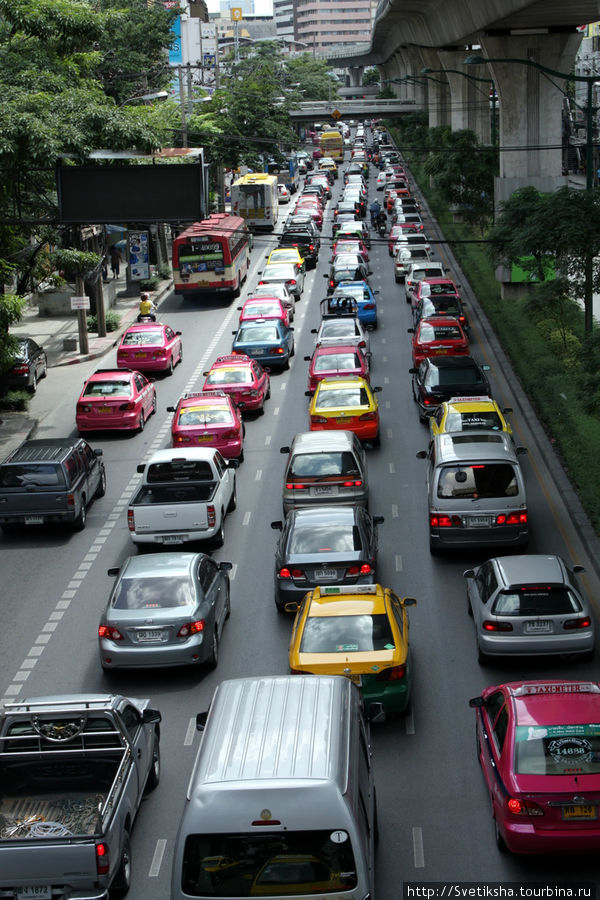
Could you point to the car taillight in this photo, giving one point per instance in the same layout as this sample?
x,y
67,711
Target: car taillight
x,y
571,624
291,281
84,407
110,633
231,435
487,625
70,499
523,807
212,516
21,369
102,859
131,520
364,569
182,439
331,283
516,518
362,344
278,350
157,353
395,673
127,407
295,486
369,306
357,483
311,247
368,417
318,420
441,521
191,628
285,573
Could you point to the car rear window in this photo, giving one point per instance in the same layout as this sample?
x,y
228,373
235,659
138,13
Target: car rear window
x,y
347,634
108,389
323,465
545,600
24,475
490,420
557,749
439,289
335,398
439,333
179,471
324,539
153,593
332,362
258,333
481,481
465,375
142,338
230,376
339,329
213,415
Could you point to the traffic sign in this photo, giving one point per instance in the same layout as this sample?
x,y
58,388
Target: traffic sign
x,y
336,114
80,302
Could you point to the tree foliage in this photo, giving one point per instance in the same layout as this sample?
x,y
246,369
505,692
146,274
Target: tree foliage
x,y
371,76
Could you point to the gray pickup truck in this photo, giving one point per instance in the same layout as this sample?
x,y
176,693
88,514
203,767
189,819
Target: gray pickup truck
x,y
50,481
73,771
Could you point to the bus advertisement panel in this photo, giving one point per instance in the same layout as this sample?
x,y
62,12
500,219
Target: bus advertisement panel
x,y
212,256
254,198
332,144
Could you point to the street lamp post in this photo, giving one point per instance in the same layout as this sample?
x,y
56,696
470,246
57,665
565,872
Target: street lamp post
x,y
157,95
488,81
589,81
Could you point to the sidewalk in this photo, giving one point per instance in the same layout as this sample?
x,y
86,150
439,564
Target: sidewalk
x,y
50,332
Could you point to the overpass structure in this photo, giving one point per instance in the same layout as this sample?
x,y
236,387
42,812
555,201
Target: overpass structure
x,y
318,109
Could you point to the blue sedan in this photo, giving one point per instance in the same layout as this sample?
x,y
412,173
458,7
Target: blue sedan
x,y
269,341
365,298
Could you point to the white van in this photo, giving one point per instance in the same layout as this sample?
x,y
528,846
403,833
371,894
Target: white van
x,y
281,801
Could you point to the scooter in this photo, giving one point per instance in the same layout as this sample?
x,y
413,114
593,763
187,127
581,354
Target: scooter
x,y
381,228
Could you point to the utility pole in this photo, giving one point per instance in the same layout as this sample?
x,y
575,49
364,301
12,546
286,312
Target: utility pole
x,y
184,134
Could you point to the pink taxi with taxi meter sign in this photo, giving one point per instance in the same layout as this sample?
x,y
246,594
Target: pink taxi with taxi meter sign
x,y
208,419
539,749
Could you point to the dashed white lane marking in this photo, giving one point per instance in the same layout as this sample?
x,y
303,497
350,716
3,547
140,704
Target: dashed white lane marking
x,y
258,475
268,441
394,510
418,854
190,732
157,858
399,565
392,469
247,517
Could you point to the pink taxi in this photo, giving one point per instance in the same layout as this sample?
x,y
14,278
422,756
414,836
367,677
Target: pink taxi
x,y
150,347
264,308
241,378
115,399
208,419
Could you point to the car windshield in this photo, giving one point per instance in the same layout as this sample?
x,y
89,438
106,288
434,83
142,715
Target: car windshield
x,y
269,864
545,600
153,593
328,538
142,338
488,480
336,362
205,415
336,398
323,465
347,634
230,376
258,333
108,389
488,420
557,749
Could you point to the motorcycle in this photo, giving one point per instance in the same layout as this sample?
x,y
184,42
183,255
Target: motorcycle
x,y
381,227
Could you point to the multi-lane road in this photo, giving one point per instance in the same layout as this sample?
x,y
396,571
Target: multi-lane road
x,y
434,813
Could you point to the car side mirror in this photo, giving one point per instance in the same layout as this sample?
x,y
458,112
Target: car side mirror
x,y
114,570
578,569
178,333
421,454
201,720
151,717
225,566
235,332
206,373
172,408
521,451
408,601
378,520
277,525
284,449
507,409
377,390
307,359
98,452
140,468
476,702
291,606
412,371
410,330
469,573
313,331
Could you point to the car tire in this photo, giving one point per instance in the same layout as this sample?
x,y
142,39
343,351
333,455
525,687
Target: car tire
x,y
228,603
241,457
171,366
268,394
377,439
500,842
469,608
154,773
81,518
233,501
153,410
213,659
142,422
219,538
101,489
45,369
482,658
34,383
122,880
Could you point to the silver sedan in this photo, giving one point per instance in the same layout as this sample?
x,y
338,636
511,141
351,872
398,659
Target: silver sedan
x,y
165,609
529,605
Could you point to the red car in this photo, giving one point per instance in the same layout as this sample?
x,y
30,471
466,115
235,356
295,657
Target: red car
x,y
539,748
313,209
241,378
439,336
208,419
150,347
344,245
117,399
336,359
264,308
436,287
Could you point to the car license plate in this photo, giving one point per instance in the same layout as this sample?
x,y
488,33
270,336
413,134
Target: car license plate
x,y
104,409
479,521
147,637
34,520
41,892
579,812
355,679
205,437
540,626
440,351
324,489
256,352
174,538
325,574
141,355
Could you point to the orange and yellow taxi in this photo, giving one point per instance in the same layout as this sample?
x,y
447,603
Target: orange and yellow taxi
x,y
469,414
360,632
347,403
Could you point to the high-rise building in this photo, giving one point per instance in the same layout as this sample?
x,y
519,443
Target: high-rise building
x,y
321,24
283,13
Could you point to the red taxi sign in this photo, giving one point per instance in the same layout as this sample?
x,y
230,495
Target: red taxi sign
x,y
567,687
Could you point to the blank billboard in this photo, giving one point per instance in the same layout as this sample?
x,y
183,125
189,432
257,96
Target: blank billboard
x,y
98,195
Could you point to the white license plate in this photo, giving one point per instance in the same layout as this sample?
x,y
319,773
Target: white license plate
x,y
325,574
256,352
324,489
34,520
41,892
541,626
480,521
174,538
146,637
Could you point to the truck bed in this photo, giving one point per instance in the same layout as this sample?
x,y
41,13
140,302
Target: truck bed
x,y
194,492
50,815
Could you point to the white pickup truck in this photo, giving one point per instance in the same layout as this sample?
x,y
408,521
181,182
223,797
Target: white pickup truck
x,y
73,772
185,496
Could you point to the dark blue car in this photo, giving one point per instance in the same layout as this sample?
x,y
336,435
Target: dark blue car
x,y
268,341
364,297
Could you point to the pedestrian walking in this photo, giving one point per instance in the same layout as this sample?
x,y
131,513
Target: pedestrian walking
x,y
115,260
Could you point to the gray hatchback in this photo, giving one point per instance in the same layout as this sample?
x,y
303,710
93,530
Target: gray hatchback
x,y
529,605
166,609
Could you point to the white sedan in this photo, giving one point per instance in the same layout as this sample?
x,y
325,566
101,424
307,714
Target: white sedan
x,y
284,194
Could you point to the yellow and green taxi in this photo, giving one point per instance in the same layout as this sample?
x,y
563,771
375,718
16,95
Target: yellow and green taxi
x,y
329,164
286,255
469,414
347,403
360,632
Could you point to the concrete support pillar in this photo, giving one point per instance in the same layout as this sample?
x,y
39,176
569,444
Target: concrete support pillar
x,y
470,100
418,92
438,104
530,122
355,75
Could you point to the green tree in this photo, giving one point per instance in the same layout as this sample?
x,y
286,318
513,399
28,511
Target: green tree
x,y
371,76
312,77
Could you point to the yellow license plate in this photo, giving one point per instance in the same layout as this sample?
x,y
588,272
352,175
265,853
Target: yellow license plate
x,y
140,355
579,812
440,352
104,409
205,437
355,679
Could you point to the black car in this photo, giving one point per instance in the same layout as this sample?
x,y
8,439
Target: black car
x,y
449,305
306,238
347,206
441,378
324,545
347,267
30,364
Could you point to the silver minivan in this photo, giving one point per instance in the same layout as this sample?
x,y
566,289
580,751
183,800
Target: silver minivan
x,y
325,467
475,491
281,801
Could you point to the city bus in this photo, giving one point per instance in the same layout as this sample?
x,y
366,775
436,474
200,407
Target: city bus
x,y
332,144
254,197
212,256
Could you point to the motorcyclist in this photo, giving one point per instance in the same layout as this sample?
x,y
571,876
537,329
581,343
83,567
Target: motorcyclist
x,y
147,309
374,209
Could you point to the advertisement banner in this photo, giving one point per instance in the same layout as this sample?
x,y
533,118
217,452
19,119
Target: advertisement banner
x,y
138,255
